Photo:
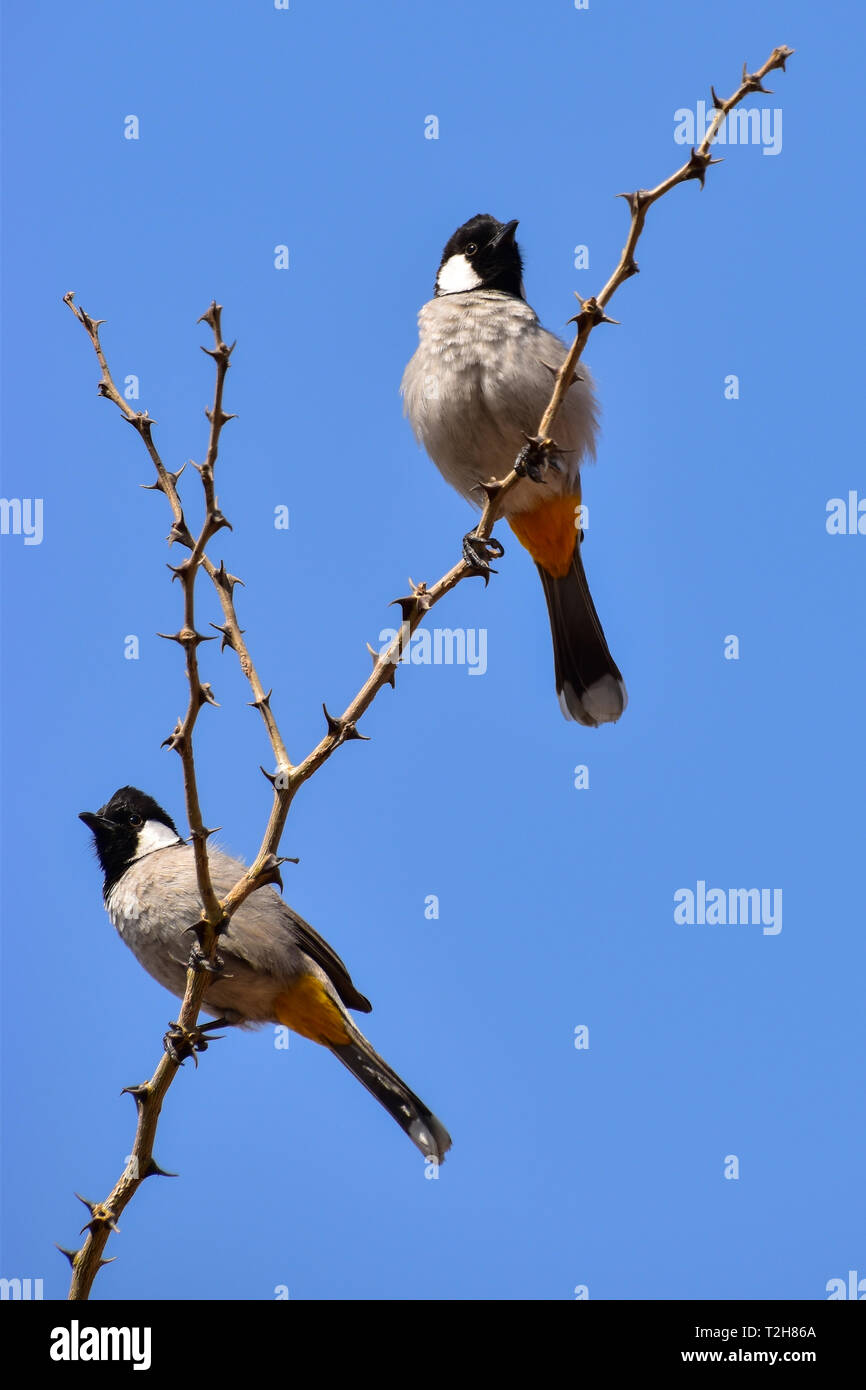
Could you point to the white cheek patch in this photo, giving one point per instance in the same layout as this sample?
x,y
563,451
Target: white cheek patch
x,y
456,275
154,835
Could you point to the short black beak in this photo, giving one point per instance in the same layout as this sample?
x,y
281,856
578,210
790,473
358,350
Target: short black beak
x,y
93,821
505,233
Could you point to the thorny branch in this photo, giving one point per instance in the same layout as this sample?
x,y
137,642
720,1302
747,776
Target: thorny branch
x,y
592,310
289,777
185,1037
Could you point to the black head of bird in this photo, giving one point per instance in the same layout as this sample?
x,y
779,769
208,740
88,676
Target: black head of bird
x,y
482,254
126,827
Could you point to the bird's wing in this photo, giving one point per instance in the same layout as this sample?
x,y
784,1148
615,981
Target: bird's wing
x,y
251,937
325,956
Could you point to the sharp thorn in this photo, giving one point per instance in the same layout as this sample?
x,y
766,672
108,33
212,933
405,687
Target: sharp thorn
x,y
153,1170
491,490
391,678
227,641
225,580
211,313
334,725
204,833
139,1093
409,606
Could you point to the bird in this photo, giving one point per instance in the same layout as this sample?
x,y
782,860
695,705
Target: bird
x,y
276,968
475,391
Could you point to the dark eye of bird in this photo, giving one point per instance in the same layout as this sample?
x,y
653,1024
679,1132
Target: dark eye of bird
x,y
135,819
471,249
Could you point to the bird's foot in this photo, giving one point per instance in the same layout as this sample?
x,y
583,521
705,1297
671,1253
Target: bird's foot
x,y
478,553
537,457
199,961
181,1043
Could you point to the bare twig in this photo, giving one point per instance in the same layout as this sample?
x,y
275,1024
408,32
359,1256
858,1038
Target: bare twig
x,y
87,1261
289,777
166,482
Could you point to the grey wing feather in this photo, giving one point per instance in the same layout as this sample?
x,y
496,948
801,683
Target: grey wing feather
x,y
251,938
325,956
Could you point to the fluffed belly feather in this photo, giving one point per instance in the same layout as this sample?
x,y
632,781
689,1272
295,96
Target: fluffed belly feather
x,y
479,383
260,957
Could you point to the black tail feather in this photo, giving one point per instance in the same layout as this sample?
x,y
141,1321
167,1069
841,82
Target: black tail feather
x,y
412,1115
588,682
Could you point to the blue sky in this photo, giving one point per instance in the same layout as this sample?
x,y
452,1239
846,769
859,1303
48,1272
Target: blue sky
x,y
602,1167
